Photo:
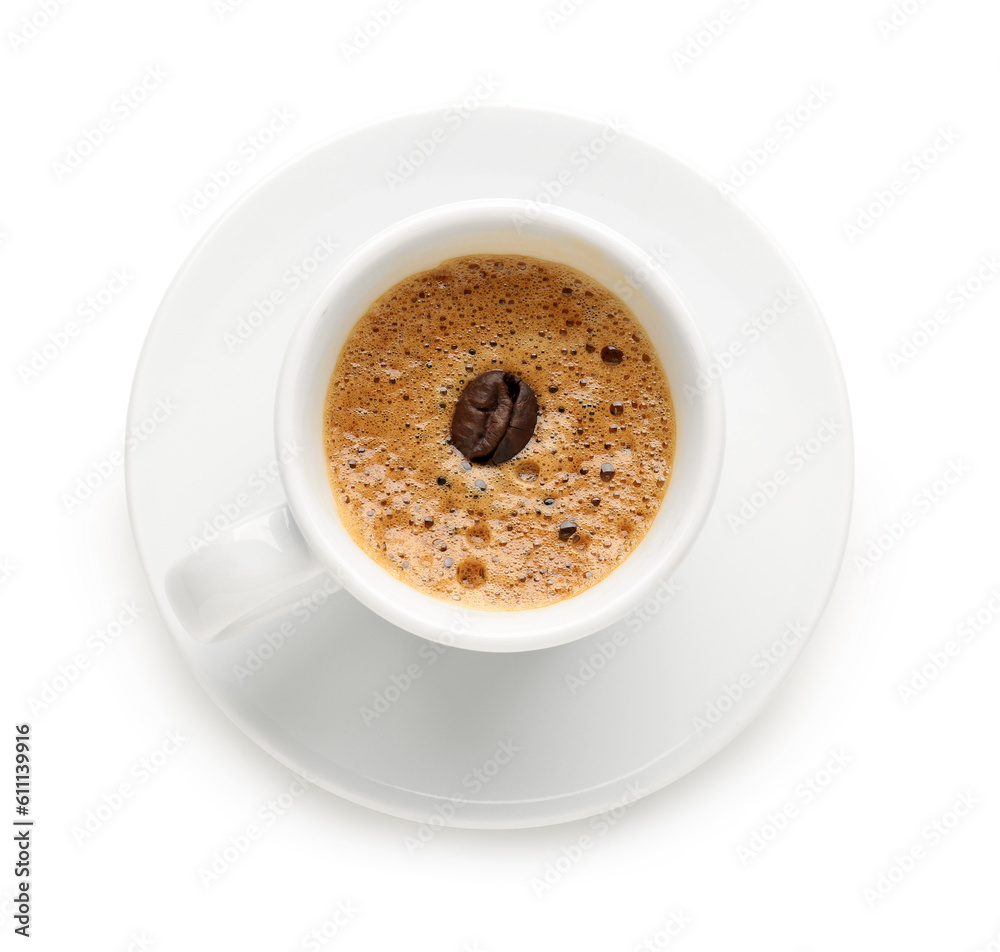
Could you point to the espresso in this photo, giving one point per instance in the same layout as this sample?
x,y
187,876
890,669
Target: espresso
x,y
495,531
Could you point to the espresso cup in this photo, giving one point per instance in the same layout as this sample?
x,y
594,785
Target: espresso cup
x,y
254,567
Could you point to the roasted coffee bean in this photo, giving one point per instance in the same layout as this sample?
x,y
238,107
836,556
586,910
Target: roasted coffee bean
x,y
494,417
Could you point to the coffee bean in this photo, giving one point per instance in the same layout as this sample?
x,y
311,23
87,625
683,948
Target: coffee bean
x,y
494,418
567,530
611,354
607,471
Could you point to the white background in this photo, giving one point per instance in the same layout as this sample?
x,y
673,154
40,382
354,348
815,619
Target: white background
x,y
135,883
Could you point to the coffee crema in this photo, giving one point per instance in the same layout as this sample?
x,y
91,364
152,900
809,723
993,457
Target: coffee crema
x,y
571,505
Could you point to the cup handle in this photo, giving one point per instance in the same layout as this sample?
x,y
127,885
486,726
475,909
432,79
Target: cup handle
x,y
246,574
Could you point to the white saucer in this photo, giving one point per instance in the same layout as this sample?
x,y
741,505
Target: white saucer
x,y
674,689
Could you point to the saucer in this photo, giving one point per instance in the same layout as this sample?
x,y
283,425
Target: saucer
x,y
442,735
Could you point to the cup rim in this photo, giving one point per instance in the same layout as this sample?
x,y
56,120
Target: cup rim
x,y
406,606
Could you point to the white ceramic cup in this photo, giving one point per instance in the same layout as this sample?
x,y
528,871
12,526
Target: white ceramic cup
x,y
250,571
